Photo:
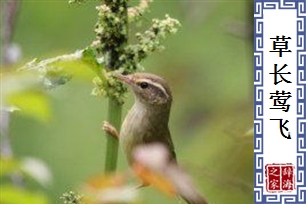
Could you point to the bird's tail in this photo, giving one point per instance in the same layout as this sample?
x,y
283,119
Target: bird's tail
x,y
156,158
185,186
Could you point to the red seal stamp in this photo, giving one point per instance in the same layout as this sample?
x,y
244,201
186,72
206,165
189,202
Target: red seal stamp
x,y
280,178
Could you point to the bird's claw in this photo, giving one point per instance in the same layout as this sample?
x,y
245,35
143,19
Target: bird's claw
x,y
110,129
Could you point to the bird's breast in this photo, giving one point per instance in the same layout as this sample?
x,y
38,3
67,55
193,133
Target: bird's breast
x,y
140,127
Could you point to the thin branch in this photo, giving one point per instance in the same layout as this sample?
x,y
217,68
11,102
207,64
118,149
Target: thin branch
x,y
9,11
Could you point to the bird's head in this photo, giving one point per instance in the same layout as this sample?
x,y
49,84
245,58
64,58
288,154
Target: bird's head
x,y
149,89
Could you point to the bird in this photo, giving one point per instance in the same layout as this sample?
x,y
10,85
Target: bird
x,y
147,122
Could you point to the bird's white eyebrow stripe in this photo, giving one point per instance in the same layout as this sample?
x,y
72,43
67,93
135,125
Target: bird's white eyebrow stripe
x,y
157,85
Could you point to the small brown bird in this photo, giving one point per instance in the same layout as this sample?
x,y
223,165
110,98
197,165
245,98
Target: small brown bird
x,y
147,121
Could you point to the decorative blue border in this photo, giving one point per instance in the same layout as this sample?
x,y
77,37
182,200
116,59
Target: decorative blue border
x,y
259,185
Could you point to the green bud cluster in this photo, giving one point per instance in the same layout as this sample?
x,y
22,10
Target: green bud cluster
x,y
109,88
76,1
148,42
111,31
110,50
134,13
71,198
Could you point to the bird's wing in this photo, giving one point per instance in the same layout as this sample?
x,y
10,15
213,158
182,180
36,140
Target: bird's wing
x,y
163,137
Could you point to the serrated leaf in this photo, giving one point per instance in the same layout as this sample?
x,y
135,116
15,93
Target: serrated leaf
x,y
59,70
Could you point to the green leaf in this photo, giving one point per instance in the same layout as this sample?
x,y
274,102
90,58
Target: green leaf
x,y
13,195
22,92
8,166
59,70
89,58
31,103
22,89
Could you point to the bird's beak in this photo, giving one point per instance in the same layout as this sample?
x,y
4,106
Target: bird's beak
x,y
124,78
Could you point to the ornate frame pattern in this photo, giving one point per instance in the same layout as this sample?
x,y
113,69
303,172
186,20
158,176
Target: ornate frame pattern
x,y
259,180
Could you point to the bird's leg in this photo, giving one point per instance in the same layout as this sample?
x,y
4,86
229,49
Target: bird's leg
x,y
110,129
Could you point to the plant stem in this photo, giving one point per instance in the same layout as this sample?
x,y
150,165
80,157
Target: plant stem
x,y
114,118
117,43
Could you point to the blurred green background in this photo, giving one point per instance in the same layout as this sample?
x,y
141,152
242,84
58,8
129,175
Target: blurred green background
x,y
208,64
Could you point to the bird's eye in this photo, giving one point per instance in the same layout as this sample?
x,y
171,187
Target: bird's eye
x,y
143,85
